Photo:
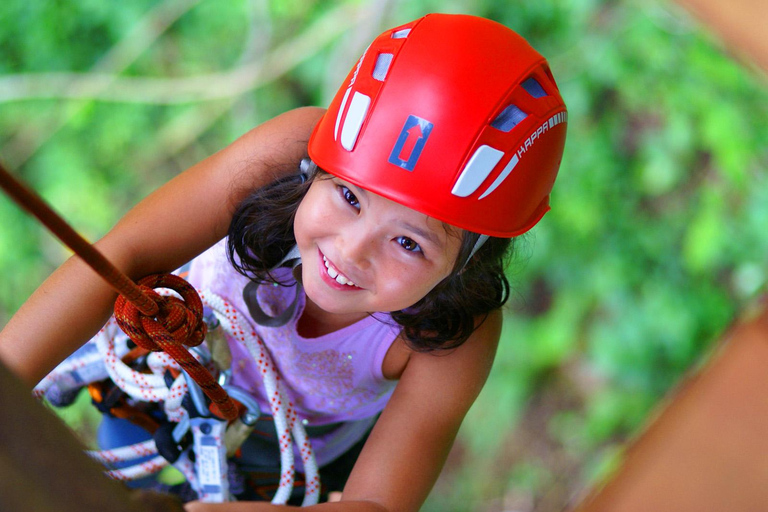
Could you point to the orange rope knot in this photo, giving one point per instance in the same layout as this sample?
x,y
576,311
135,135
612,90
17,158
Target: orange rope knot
x,y
178,322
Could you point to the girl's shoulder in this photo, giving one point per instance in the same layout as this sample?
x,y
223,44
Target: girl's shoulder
x,y
479,348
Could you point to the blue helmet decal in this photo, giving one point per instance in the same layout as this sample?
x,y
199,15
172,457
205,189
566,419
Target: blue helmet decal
x,y
411,141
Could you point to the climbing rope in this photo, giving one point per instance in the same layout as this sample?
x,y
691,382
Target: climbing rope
x,y
288,426
153,322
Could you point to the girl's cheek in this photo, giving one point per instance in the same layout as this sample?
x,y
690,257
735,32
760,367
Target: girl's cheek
x,y
316,205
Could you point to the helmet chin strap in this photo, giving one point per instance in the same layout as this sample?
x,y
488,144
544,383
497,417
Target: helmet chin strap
x,y
480,241
307,168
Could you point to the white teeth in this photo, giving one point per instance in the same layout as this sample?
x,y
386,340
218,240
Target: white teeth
x,y
336,275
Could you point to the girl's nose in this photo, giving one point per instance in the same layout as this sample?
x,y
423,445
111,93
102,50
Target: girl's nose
x,y
355,245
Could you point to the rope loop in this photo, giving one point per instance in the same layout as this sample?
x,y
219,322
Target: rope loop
x,y
177,322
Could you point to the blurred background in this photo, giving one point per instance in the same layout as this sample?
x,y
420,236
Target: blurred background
x,y
655,242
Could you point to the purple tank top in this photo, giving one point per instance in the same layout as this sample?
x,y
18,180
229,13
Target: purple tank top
x,y
332,378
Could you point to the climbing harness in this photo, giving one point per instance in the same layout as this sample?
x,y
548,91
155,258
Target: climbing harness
x,y
213,439
194,436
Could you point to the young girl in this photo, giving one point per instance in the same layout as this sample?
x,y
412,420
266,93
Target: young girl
x,y
441,145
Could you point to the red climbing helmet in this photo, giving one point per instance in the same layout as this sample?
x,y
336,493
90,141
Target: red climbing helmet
x,y
454,116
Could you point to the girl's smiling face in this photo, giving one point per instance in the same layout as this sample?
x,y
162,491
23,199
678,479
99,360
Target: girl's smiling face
x,y
363,253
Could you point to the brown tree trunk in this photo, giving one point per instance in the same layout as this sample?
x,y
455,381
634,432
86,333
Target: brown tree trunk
x,y
43,467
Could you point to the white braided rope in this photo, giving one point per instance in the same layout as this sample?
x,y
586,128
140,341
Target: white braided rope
x,y
143,386
66,367
187,468
124,453
127,454
63,373
141,470
283,412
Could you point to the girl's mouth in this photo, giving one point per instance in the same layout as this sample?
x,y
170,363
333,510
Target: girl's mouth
x,y
334,277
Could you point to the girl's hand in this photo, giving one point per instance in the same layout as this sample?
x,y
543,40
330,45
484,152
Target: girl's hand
x,y
198,506
254,506
235,506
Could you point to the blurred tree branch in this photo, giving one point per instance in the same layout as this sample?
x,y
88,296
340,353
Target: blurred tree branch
x,y
28,140
260,67
248,76
105,84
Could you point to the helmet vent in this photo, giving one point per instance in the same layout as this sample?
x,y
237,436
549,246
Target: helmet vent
x,y
401,34
381,67
534,88
478,168
509,118
358,109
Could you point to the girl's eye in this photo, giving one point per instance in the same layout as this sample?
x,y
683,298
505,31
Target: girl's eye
x,y
349,196
408,244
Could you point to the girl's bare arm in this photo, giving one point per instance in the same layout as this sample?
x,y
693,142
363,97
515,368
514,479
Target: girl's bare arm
x,y
168,228
409,444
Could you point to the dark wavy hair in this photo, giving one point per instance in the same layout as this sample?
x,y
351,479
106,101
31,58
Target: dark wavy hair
x,y
261,234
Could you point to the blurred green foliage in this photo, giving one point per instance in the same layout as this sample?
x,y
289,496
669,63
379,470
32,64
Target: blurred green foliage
x,y
655,242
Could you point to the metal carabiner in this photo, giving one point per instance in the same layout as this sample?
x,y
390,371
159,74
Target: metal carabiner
x,y
239,430
199,400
